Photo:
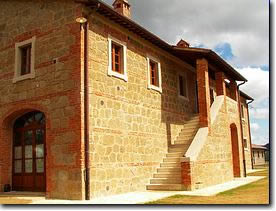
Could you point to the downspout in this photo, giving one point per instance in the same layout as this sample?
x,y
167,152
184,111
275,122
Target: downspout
x,y
248,122
87,114
239,105
84,33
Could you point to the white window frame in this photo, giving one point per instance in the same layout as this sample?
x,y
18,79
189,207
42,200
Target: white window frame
x,y
150,86
178,83
17,72
110,72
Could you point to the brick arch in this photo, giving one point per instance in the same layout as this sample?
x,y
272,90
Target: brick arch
x,y
6,134
17,111
235,150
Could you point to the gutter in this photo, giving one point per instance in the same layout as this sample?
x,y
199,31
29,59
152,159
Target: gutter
x,y
239,105
248,122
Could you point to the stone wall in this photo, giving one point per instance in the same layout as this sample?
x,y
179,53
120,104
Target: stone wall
x,y
259,157
214,163
55,90
131,125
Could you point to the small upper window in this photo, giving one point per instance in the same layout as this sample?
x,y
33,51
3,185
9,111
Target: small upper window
x,y
182,86
154,74
117,63
117,59
245,143
154,78
24,60
242,111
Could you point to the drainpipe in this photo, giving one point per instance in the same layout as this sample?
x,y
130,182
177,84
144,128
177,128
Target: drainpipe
x,y
239,105
248,122
84,29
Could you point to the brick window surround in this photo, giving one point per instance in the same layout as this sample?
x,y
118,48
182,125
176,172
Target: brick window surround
x,y
182,86
154,74
24,50
117,61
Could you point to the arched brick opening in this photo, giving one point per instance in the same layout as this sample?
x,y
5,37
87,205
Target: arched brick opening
x,y
235,150
6,140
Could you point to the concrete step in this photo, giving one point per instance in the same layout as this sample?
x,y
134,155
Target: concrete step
x,y
174,155
166,181
169,170
171,160
166,175
170,165
167,187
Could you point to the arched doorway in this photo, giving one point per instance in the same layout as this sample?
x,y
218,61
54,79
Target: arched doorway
x,y
235,150
28,172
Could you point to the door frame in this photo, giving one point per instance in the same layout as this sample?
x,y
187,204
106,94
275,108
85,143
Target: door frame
x,y
33,127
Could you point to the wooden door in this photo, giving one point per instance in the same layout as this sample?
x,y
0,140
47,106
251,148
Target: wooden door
x,y
29,153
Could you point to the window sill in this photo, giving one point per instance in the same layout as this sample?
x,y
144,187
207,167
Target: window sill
x,y
23,77
117,75
155,88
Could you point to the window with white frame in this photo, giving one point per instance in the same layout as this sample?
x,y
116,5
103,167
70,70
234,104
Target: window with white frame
x,y
24,60
182,86
154,74
117,58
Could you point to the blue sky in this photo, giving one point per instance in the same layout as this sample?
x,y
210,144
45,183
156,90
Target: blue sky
x,y
237,30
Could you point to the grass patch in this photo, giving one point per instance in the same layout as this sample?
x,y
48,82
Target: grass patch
x,y
254,193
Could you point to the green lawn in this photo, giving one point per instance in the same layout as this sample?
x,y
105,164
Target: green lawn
x,y
254,193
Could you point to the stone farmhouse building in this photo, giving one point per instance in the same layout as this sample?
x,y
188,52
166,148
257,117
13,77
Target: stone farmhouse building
x,y
92,104
259,154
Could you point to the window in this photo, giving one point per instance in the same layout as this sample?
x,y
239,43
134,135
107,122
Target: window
x,y
242,111
117,62
117,59
24,60
154,74
245,143
182,86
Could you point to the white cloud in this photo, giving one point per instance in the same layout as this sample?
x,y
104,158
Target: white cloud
x,y
255,126
259,113
257,85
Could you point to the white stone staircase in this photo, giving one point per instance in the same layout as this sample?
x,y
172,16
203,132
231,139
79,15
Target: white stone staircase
x,y
168,176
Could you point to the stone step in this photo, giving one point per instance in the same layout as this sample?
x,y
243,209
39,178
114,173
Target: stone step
x,y
170,175
183,141
179,149
188,131
190,126
171,160
170,165
169,170
165,187
174,155
185,135
166,181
